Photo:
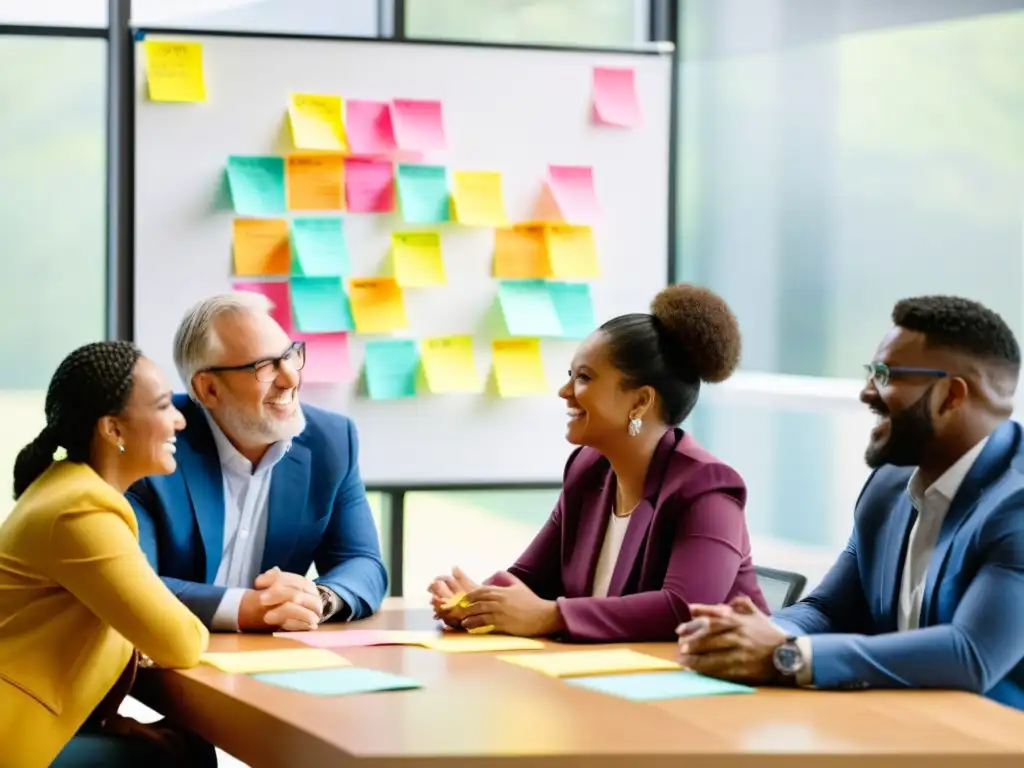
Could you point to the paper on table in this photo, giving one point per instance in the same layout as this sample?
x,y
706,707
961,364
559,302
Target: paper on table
x,y
369,185
320,305
248,662
423,193
521,252
279,296
478,199
527,308
615,99
579,663
574,307
358,638
573,189
327,359
658,686
316,122
378,305
391,368
418,259
319,247
315,181
419,124
370,130
339,682
572,252
174,71
519,368
256,184
260,247
455,642
449,364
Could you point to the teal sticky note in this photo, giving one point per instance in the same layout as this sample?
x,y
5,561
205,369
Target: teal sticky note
x,y
256,184
391,368
320,305
658,686
423,193
528,309
319,248
574,307
338,681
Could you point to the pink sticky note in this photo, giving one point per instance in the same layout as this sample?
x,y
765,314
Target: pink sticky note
x,y
369,127
357,638
278,293
327,360
573,189
419,125
615,99
369,185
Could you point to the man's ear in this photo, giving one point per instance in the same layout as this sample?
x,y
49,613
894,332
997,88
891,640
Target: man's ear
x,y
956,395
207,389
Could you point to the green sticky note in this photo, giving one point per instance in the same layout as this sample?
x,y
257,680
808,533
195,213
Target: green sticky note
x,y
257,185
340,681
320,305
658,686
318,248
391,368
528,309
423,193
574,307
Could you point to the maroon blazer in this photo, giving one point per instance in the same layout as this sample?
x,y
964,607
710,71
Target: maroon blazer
x,y
686,542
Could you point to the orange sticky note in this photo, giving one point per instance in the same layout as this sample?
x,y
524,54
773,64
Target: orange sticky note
x,y
378,305
261,247
521,253
315,182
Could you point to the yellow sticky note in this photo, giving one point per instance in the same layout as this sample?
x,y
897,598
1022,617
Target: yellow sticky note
x,y
418,259
250,662
378,305
316,122
579,663
449,365
455,642
477,199
521,252
261,247
174,71
572,252
519,368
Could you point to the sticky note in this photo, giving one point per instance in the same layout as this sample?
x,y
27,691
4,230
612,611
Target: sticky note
x,y
418,259
369,126
377,305
260,247
574,307
478,199
572,252
174,71
519,368
456,642
278,294
658,686
449,364
314,181
615,101
327,358
391,368
339,682
316,122
521,252
527,308
423,193
248,662
320,305
580,663
369,185
256,184
358,638
319,248
419,124
572,187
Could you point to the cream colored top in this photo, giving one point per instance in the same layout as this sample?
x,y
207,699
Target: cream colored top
x,y
613,537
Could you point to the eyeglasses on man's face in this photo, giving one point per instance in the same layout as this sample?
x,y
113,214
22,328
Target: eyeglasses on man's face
x,y
881,374
268,368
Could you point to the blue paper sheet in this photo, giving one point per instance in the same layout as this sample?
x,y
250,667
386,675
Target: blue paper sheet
x,y
658,686
341,681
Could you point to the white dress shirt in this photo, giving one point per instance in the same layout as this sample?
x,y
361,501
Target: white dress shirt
x,y
613,537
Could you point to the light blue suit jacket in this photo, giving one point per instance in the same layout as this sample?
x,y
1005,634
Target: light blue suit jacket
x,y
317,513
972,615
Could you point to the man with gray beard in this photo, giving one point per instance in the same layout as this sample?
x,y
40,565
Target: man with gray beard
x,y
264,487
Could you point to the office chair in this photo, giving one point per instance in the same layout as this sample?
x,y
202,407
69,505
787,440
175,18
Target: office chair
x,y
780,588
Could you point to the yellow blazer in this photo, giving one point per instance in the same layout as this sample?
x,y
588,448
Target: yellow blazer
x,y
76,594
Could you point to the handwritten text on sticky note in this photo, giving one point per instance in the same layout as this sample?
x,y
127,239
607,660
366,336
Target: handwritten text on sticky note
x,y
378,305
315,181
174,71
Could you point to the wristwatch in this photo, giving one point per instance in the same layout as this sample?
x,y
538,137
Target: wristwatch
x,y
788,658
330,602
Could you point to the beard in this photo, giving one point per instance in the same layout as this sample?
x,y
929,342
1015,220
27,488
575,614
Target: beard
x,y
910,432
247,428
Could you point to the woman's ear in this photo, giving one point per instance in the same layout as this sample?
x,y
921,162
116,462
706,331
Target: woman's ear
x,y
109,430
644,405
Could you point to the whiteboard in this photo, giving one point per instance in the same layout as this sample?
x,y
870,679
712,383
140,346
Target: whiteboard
x,y
513,110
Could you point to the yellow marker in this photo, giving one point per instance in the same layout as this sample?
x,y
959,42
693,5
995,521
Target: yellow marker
x,y
481,630
464,603
453,601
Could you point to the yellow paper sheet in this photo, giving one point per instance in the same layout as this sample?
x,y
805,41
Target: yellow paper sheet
x,y
477,199
454,642
519,368
174,71
572,252
580,663
261,247
418,259
249,662
316,122
521,253
449,365
378,305
315,181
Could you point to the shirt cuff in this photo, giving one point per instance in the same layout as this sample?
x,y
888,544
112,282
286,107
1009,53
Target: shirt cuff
x,y
805,677
225,618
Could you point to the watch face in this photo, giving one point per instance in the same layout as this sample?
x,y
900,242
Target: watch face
x,y
788,659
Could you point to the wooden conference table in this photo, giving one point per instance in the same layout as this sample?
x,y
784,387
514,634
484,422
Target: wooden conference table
x,y
478,711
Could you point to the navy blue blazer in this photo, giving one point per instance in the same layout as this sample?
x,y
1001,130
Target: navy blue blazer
x,y
972,626
317,513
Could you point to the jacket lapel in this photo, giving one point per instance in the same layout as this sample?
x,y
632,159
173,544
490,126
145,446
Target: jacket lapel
x,y
200,468
897,535
289,490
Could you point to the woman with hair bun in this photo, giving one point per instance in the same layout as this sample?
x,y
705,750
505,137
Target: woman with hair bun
x,y
648,522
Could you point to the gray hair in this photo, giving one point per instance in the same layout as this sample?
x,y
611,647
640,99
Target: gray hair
x,y
196,341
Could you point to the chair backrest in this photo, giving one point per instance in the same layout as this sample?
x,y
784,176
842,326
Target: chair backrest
x,y
780,588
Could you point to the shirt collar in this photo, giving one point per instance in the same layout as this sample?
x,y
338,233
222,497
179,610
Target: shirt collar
x,y
231,459
949,481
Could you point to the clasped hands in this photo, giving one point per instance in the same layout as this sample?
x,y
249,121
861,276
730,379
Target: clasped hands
x,y
280,600
507,605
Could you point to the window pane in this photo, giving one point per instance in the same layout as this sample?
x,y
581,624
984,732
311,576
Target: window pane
x,y
21,413
609,23
479,531
54,13
831,163
355,18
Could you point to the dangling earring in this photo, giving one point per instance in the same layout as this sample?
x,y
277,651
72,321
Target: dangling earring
x,y
635,425
120,447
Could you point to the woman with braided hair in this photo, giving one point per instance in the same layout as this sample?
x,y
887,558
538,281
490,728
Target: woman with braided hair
x,y
77,595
